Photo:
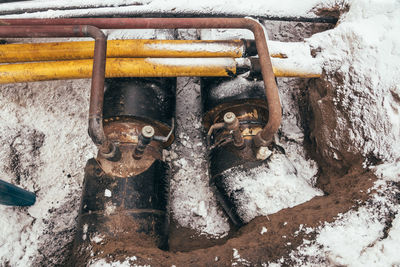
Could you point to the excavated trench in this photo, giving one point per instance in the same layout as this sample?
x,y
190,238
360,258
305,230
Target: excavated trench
x,y
345,186
344,183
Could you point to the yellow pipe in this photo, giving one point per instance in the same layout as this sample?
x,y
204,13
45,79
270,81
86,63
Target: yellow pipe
x,y
146,67
301,67
118,67
279,72
11,53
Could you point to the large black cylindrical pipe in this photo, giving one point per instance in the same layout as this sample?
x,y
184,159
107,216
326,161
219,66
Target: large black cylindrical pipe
x,y
246,99
150,99
125,202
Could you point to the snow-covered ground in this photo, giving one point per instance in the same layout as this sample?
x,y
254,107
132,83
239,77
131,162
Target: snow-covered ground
x,y
361,60
285,8
45,145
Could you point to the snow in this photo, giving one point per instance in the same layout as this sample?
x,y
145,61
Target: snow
x,y
283,8
360,58
269,188
388,171
192,202
238,260
357,238
363,49
44,143
107,193
263,230
128,262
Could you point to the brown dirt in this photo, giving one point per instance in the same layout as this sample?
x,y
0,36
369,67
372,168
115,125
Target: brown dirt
x,y
342,194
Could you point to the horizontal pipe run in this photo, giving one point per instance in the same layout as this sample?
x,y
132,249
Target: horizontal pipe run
x,y
118,67
33,6
138,67
40,31
10,53
265,136
301,67
64,10
13,53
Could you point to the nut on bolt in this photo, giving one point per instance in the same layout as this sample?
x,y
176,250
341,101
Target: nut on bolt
x,y
229,117
145,138
148,131
232,124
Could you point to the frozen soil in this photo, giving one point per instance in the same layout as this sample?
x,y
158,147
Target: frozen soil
x,y
267,238
44,149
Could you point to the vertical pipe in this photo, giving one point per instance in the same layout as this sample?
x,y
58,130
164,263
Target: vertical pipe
x,y
97,87
96,131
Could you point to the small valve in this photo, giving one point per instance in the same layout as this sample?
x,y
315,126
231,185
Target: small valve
x,y
145,138
232,124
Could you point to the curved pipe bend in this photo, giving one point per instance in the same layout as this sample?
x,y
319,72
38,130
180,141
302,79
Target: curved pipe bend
x,y
265,136
96,131
97,87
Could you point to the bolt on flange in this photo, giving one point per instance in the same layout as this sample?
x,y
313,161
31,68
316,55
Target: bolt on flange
x,y
145,137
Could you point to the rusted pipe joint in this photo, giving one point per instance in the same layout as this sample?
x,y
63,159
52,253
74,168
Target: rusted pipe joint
x,y
145,137
258,141
232,125
107,149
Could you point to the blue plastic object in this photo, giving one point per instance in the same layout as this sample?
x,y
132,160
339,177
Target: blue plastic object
x,y
12,195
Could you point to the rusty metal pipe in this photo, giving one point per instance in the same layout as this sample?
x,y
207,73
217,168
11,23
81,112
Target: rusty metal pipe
x,y
97,87
264,137
96,131
40,31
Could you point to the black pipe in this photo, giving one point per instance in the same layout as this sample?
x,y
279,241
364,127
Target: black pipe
x,y
246,99
126,201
